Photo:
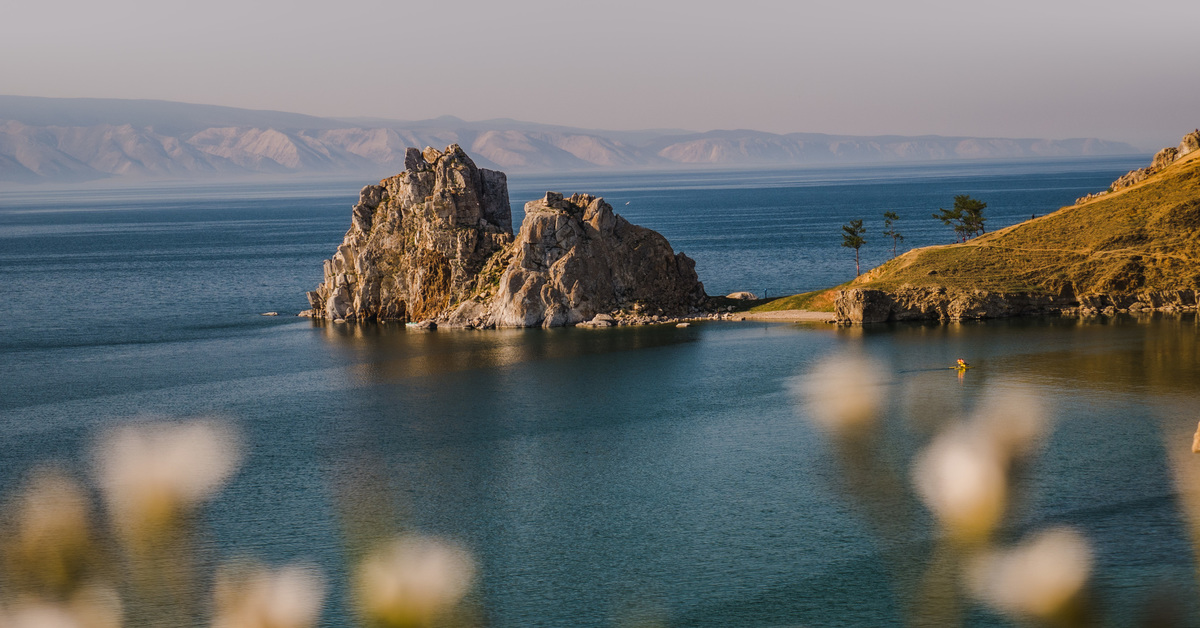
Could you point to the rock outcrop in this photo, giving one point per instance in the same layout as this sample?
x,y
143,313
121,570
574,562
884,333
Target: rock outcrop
x,y
435,243
417,241
1162,159
574,258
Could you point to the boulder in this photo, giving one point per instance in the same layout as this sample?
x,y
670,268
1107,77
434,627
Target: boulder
x,y
600,320
1189,143
742,296
1164,158
859,305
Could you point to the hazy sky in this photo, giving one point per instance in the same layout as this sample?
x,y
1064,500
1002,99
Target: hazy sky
x,y
1118,70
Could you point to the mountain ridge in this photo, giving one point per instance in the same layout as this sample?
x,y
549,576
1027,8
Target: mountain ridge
x,y
72,139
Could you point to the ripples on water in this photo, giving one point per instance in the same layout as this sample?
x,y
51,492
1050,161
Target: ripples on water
x,y
595,474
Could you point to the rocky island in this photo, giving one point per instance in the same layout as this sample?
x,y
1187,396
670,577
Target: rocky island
x,y
435,244
1132,248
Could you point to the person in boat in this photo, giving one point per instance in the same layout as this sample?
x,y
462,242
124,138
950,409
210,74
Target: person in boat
x,y
962,364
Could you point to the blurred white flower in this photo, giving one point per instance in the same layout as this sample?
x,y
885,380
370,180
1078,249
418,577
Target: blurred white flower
x,y
151,474
91,607
961,478
1038,578
843,392
289,597
50,541
97,606
40,616
413,579
1015,419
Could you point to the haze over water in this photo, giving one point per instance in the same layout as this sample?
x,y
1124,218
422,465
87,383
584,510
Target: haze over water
x,y
596,475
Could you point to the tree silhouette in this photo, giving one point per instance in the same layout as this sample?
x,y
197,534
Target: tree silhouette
x,y
852,238
889,230
966,217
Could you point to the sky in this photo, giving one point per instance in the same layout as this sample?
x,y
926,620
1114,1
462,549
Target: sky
x,y
1050,68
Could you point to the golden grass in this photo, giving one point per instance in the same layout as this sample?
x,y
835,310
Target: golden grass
x,y
816,301
1146,237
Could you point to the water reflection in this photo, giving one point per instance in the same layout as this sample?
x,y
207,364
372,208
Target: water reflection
x,y
386,351
591,471
1155,353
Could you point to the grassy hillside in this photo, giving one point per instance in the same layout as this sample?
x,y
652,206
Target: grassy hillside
x,y
817,301
1146,237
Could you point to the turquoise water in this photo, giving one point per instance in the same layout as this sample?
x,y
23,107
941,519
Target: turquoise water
x,y
596,475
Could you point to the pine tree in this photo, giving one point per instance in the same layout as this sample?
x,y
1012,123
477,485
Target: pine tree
x,y
966,217
852,238
889,224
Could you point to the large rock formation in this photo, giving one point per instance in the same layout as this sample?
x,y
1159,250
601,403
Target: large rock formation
x,y
435,243
574,258
417,241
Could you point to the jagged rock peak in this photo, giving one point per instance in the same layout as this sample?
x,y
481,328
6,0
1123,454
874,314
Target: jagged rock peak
x,y
417,241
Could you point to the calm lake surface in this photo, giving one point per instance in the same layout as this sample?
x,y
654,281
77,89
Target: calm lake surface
x,y
597,476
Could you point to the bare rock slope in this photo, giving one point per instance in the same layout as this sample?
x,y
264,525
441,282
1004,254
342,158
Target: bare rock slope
x,y
435,243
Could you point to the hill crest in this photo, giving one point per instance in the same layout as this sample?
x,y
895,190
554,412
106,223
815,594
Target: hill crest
x,y
1136,246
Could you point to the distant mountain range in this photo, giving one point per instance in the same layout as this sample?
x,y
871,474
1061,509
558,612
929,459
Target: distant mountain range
x,y
76,139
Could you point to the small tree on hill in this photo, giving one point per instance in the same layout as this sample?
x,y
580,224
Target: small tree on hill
x,y
972,213
889,230
966,217
852,238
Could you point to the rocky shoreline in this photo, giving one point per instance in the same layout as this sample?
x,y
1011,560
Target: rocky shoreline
x,y
865,305
614,319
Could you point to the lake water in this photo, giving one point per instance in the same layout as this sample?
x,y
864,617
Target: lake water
x,y
596,475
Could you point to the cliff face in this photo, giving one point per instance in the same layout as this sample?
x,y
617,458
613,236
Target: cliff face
x,y
859,305
417,241
1135,247
435,243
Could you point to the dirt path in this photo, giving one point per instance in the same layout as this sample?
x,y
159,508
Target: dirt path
x,y
1126,252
